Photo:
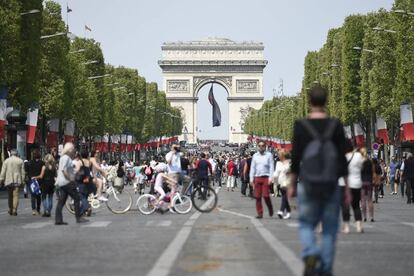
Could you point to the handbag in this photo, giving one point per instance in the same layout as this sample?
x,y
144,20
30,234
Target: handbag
x,y
35,187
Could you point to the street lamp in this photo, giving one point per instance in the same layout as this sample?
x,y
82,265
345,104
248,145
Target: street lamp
x,y
112,84
98,77
361,49
30,12
52,35
379,29
77,51
91,62
404,12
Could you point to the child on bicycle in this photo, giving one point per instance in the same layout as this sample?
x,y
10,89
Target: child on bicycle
x,y
161,170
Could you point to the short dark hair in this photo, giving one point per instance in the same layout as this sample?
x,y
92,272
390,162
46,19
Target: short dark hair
x,y
36,154
84,153
203,155
318,96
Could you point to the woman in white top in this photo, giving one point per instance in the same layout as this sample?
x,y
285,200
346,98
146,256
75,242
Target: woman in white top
x,y
355,161
281,177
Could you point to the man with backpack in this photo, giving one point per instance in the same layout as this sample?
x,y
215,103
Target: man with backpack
x,y
318,160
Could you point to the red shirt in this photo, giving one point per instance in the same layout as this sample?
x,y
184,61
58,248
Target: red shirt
x,y
230,168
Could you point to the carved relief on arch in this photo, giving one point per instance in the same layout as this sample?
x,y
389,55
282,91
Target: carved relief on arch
x,y
200,80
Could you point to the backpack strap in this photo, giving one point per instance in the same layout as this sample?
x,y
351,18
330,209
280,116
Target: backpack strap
x,y
330,130
309,127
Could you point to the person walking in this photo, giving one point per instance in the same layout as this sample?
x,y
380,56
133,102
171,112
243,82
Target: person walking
x,y
33,169
244,184
173,159
367,174
261,171
393,171
204,169
66,184
231,178
12,176
281,179
409,177
246,172
319,196
355,161
47,178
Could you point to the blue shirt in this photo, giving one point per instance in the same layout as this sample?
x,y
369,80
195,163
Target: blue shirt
x,y
393,168
262,165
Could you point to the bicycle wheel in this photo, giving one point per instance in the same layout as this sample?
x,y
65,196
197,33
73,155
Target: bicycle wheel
x,y
119,202
204,199
146,204
182,204
70,206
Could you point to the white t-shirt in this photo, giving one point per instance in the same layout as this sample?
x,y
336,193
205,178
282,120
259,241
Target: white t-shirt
x,y
174,162
281,173
354,170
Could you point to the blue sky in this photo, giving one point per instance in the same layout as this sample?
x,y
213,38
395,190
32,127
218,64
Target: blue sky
x,y
131,33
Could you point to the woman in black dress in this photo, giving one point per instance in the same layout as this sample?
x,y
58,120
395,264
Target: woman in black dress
x,y
47,178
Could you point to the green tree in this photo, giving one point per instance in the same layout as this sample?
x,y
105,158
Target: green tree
x,y
10,43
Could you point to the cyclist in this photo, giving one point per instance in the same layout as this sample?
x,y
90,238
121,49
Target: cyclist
x,y
97,174
161,171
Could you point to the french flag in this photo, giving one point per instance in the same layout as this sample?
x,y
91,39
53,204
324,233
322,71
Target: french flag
x,y
52,136
3,110
69,131
31,123
359,136
382,131
406,114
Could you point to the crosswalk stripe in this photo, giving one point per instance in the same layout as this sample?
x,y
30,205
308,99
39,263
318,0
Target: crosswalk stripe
x,y
97,224
293,224
36,225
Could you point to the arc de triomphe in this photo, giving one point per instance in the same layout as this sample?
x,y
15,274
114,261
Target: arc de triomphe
x,y
238,67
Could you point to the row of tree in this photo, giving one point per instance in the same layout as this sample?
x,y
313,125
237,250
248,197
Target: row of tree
x,y
41,62
367,65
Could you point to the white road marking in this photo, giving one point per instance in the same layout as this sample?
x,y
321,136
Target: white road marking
x,y
36,225
162,223
166,261
97,224
293,224
408,223
285,254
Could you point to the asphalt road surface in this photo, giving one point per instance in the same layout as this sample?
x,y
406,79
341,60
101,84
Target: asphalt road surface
x,y
227,241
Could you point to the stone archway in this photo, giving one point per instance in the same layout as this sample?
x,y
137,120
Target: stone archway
x,y
238,67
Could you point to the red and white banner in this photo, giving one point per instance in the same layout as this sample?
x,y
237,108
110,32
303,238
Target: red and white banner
x,y
123,142
382,131
3,114
31,122
406,114
104,145
69,131
52,136
359,135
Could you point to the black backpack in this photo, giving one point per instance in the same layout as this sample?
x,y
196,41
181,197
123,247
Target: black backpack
x,y
319,166
120,172
83,175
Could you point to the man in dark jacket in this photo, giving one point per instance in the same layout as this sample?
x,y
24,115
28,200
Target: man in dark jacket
x,y
314,209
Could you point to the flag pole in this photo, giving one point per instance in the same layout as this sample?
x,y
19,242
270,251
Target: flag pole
x,y
67,17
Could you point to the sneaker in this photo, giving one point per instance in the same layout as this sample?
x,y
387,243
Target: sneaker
x,y
172,211
102,198
287,216
259,216
34,213
280,214
312,264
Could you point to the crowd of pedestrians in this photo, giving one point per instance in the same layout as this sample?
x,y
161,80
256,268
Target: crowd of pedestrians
x,y
327,173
